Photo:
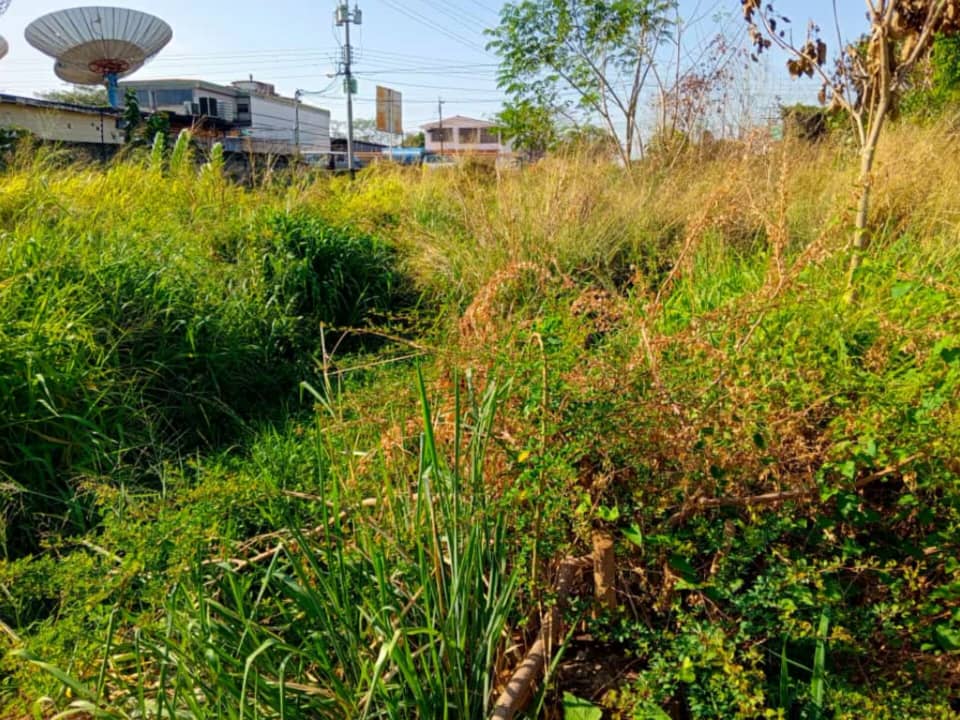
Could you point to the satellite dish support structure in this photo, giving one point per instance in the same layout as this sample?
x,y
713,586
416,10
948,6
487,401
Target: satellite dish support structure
x,y
98,44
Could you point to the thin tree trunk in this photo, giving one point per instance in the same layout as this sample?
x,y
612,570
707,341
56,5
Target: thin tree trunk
x,y
860,233
868,154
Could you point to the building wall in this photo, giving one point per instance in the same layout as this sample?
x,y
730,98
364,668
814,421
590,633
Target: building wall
x,y
172,98
458,142
274,119
226,102
61,125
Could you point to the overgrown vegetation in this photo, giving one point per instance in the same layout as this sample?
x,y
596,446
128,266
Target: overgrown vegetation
x,y
221,503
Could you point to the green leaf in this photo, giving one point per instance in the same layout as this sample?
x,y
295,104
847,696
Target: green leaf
x,y
950,355
634,534
818,682
900,290
649,711
848,469
575,708
608,514
947,637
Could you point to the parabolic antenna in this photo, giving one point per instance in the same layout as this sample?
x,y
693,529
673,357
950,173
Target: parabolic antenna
x,y
4,46
82,76
98,44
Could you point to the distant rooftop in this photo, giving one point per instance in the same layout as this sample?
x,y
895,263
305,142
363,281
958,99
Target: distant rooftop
x,y
237,89
57,105
458,121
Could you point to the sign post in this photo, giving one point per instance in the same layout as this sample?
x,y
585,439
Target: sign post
x,y
389,113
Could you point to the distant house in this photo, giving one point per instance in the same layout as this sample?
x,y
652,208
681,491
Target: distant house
x,y
248,116
94,128
459,135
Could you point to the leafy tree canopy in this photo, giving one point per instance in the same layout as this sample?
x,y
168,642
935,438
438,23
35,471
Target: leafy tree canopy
x,y
593,57
78,95
530,126
414,140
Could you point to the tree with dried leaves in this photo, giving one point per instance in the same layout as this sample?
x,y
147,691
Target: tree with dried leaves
x,y
867,78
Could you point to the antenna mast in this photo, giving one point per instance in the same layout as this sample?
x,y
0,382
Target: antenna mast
x,y
440,114
344,18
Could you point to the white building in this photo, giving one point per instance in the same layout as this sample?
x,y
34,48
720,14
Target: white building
x,y
247,109
459,135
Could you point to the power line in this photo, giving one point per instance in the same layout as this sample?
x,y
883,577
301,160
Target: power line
x,y
423,20
460,17
435,87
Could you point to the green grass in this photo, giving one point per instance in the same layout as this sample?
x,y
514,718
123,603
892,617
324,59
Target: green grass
x,y
181,396
146,315
397,611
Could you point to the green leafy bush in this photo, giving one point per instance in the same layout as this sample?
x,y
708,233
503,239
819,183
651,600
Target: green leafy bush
x,y
319,275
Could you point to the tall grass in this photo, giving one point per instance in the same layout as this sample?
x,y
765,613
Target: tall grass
x,y
400,613
145,313
686,379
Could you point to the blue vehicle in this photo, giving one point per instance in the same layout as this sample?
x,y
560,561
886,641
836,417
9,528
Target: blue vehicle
x,y
405,156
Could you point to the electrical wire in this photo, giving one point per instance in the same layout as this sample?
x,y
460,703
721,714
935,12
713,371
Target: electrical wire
x,y
458,17
427,22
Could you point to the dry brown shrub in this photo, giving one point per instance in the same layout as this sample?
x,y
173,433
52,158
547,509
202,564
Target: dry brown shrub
x,y
602,309
493,306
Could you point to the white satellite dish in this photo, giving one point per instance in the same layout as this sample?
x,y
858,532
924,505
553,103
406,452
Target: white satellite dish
x,y
98,44
81,76
4,45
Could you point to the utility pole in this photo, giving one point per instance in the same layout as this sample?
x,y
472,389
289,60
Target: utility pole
x,y
440,113
344,18
296,123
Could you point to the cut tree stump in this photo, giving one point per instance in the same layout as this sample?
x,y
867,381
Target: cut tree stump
x,y
519,691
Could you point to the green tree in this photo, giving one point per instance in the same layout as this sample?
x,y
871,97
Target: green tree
x,y
78,95
588,139
414,140
937,84
137,130
599,52
868,78
132,117
530,127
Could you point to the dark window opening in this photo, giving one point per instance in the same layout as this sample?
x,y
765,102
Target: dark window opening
x,y
166,98
208,107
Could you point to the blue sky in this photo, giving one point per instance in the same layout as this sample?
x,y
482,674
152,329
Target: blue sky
x,y
424,48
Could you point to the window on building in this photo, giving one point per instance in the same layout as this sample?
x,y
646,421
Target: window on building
x,y
168,98
208,107
469,136
243,108
489,136
143,98
441,134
